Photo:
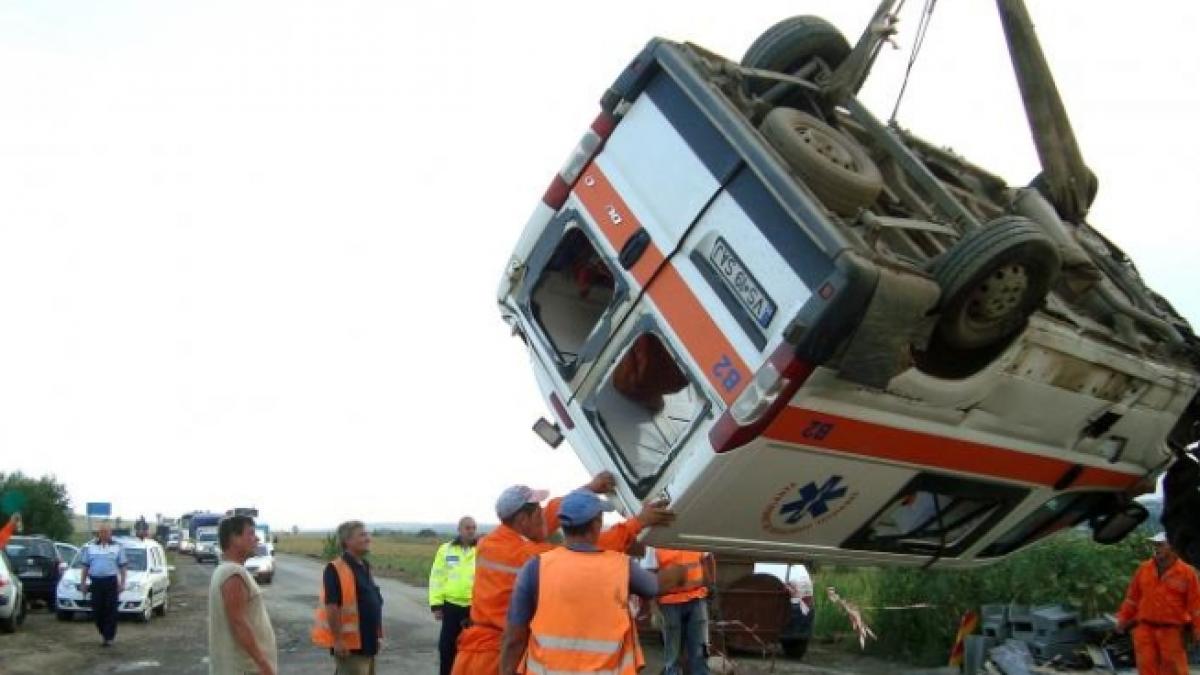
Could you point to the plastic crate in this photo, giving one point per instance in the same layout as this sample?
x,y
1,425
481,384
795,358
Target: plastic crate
x,y
1020,623
993,622
1056,624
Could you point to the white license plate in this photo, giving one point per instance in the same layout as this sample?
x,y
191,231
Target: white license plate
x,y
741,283
32,574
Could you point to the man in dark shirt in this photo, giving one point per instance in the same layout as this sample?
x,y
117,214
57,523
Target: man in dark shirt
x,y
356,543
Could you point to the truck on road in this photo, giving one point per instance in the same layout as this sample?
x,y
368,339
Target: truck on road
x,y
207,547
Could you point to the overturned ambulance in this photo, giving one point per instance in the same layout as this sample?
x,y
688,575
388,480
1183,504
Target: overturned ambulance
x,y
820,336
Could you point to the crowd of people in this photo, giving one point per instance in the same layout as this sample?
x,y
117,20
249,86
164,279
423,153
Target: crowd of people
x,y
508,602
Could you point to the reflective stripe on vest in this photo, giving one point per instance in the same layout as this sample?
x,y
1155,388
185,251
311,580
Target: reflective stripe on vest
x,y
627,665
693,585
498,567
582,622
322,633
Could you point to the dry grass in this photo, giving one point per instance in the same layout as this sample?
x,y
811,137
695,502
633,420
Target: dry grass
x,y
401,557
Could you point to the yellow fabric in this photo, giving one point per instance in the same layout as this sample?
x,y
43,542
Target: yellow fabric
x,y
322,633
582,623
452,575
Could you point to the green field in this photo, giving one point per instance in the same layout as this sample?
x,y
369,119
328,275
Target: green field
x,y
398,556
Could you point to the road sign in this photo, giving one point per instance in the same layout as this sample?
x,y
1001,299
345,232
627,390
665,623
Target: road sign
x,y
99,509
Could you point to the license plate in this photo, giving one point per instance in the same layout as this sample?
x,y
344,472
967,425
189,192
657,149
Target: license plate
x,y
741,283
32,574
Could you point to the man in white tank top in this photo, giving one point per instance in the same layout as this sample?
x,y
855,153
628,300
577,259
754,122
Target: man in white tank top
x,y
240,637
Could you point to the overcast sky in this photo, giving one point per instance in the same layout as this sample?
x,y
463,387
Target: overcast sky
x,y
249,250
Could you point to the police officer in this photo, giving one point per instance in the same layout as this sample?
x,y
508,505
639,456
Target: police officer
x,y
104,564
450,581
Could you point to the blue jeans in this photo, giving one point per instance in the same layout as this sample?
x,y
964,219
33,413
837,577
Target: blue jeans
x,y
685,630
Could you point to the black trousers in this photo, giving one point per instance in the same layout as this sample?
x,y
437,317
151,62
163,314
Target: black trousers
x,y
104,605
453,619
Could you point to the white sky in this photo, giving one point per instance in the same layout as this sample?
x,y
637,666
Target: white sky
x,y
248,250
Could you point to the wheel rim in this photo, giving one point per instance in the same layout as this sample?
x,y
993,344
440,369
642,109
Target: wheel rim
x,y
831,149
998,295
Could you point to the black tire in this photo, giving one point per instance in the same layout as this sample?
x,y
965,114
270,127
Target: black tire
x,y
834,166
794,649
992,280
148,613
161,610
789,44
64,615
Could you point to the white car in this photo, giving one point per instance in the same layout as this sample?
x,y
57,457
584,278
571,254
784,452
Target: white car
x,y
186,545
12,596
147,584
262,565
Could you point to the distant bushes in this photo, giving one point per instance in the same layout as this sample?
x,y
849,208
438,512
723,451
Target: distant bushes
x,y
1069,568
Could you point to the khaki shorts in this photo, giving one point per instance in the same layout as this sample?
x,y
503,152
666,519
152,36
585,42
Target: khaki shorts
x,y
354,665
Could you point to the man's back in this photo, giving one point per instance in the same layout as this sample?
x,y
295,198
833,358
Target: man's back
x,y
224,654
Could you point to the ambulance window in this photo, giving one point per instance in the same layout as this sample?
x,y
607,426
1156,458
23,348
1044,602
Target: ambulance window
x,y
572,294
936,514
645,408
1060,513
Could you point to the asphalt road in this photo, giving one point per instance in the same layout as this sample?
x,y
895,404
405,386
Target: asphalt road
x,y
177,643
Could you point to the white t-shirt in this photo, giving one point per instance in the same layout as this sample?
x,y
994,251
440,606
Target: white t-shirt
x,y
225,656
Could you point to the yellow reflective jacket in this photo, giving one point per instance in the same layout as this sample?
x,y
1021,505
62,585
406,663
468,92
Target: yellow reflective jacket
x,y
452,575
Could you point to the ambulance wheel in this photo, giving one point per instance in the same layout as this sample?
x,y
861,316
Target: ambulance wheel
x,y
790,44
835,167
992,281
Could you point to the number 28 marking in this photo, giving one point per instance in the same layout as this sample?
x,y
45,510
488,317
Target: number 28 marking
x,y
727,373
817,430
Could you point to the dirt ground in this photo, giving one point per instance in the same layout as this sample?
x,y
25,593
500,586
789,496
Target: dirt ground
x,y
177,643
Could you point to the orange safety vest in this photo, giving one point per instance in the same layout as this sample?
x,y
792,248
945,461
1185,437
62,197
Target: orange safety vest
x,y
582,623
693,587
322,633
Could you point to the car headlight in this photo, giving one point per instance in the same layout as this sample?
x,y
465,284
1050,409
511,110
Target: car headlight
x,y
134,586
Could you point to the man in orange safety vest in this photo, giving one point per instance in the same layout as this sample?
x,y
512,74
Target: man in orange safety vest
x,y
684,609
570,609
1162,607
524,527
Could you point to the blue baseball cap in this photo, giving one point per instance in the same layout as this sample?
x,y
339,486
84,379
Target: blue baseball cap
x,y
514,498
581,506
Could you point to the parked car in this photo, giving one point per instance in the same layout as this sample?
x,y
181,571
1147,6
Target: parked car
x,y
38,564
262,565
12,596
67,551
173,539
147,584
186,545
798,630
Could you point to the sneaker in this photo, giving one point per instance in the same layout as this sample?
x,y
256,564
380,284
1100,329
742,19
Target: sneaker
x,y
106,643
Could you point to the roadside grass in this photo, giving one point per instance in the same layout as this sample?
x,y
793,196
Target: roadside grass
x,y
396,556
1068,568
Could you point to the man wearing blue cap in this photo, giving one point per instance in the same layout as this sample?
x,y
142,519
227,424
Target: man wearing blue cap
x,y
524,527
570,609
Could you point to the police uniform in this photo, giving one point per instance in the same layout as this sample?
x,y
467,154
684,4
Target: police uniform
x,y
451,578
104,563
